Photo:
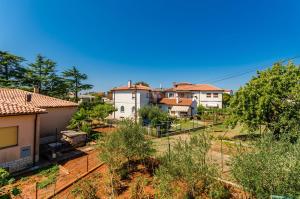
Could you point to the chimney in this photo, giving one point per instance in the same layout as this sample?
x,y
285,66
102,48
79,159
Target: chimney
x,y
36,89
28,97
129,84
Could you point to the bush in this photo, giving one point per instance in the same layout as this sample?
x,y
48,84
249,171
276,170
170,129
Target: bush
x,y
272,168
122,148
85,189
4,177
185,170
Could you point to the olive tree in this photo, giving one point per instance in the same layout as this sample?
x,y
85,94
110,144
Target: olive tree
x,y
270,99
271,168
184,171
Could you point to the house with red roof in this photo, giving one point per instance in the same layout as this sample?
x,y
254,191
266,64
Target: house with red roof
x,y
129,99
27,120
181,100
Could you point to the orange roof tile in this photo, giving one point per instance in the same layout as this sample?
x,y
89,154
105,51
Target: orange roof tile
x,y
37,100
9,108
172,101
133,87
197,87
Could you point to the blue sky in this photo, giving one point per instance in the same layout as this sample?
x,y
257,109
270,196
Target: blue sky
x,y
156,41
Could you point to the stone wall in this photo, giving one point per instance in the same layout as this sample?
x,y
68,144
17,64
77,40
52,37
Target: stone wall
x,y
17,165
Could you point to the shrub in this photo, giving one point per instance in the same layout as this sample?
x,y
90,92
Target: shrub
x,y
185,165
85,189
123,147
4,177
271,168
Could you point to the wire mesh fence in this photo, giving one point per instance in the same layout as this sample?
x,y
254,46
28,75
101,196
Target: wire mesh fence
x,y
68,173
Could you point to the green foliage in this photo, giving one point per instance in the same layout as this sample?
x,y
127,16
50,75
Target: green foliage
x,y
218,191
141,83
85,189
50,174
74,80
271,99
226,100
16,191
271,168
186,165
200,110
79,119
101,111
4,177
154,115
11,70
128,143
137,191
123,147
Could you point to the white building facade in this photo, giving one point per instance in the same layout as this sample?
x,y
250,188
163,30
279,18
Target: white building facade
x,y
181,100
129,99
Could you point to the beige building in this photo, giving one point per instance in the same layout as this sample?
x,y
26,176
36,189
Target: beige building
x,y
19,135
23,128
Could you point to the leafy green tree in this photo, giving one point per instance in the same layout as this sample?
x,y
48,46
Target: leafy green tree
x,y
120,148
226,100
101,111
75,78
201,110
80,121
11,70
272,168
186,165
154,115
142,83
270,99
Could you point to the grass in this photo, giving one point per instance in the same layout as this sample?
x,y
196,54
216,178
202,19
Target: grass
x,y
50,173
185,124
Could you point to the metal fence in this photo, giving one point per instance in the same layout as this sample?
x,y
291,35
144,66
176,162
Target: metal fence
x,y
69,173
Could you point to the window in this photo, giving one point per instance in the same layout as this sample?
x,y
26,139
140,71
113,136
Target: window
x,y
171,95
8,136
181,95
133,95
133,109
122,109
216,95
148,95
208,95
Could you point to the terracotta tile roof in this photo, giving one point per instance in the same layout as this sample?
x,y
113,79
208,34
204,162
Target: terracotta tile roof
x,y
37,100
172,101
197,87
126,88
9,108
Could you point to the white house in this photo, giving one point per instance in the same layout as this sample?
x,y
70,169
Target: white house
x,y
207,95
129,99
181,100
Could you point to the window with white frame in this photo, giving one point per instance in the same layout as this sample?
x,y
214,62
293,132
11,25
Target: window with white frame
x,y
216,95
171,95
122,109
208,95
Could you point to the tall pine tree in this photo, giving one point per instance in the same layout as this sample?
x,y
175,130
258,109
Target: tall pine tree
x,y
42,74
74,79
11,70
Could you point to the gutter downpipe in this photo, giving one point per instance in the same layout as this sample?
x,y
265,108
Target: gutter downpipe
x,y
34,139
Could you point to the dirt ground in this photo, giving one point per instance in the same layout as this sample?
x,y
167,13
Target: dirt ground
x,y
68,171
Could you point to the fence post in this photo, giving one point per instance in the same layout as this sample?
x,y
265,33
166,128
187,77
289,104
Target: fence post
x,y
222,154
87,163
36,190
54,188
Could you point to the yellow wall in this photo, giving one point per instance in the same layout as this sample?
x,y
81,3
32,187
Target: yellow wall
x,y
25,125
56,118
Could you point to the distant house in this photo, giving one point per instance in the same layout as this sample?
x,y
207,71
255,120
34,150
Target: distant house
x,y
207,95
19,135
181,100
129,99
